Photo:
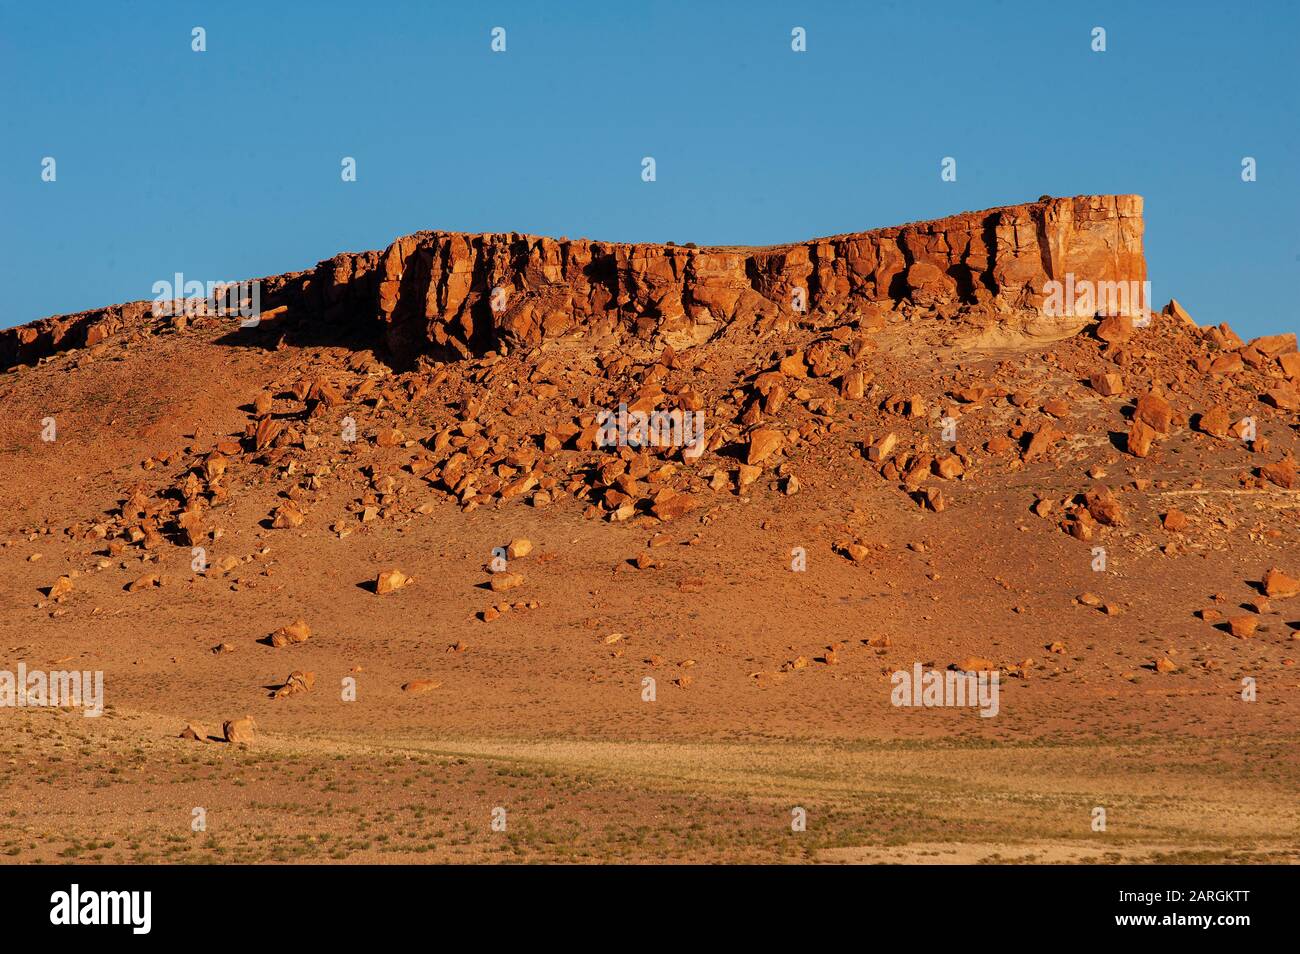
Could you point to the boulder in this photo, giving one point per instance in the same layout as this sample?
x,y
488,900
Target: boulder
x,y
239,730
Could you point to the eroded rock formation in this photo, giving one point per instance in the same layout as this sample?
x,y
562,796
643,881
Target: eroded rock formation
x,y
449,294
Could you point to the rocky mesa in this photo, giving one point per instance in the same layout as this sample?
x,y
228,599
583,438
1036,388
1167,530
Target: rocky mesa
x,y
450,294
635,541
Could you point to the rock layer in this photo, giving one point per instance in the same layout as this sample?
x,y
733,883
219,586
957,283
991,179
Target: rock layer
x,y
449,294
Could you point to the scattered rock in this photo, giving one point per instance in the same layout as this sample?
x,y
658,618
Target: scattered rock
x,y
949,467
1116,329
287,517
763,443
239,730
1284,399
881,449
1107,384
670,504
391,580
417,686
1215,422
1243,627
857,552
296,632
505,581
1140,437
1282,473
1155,412
1280,585
297,682
62,587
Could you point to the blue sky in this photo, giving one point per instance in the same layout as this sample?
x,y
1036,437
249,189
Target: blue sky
x,y
226,164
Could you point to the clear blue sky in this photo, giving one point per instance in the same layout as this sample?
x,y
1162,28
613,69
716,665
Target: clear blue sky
x,y
226,164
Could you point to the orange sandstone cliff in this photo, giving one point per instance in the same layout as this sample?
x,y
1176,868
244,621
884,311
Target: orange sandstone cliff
x,y
450,294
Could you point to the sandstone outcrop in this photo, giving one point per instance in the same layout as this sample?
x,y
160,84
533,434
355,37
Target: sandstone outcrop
x,y
448,294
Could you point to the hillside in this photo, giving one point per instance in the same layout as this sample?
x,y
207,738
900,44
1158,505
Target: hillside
x,y
903,457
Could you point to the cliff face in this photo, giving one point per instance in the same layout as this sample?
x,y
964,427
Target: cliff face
x,y
451,295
